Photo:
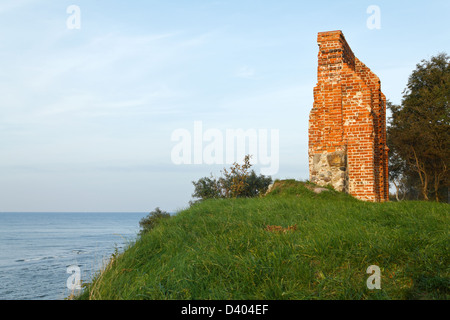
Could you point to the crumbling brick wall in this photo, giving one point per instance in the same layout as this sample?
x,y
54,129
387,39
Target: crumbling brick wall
x,y
347,126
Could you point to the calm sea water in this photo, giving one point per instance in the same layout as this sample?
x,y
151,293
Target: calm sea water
x,y
36,249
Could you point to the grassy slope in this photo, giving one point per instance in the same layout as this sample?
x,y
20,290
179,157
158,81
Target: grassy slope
x,y
220,249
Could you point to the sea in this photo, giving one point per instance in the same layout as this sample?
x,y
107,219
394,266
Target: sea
x,y
46,256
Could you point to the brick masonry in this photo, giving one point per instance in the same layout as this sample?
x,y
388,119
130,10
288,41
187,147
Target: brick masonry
x,y
347,125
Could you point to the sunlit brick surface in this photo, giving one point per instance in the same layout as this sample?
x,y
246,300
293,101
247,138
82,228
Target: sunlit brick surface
x,y
347,126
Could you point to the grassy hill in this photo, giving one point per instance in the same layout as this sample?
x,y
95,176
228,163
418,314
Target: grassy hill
x,y
290,244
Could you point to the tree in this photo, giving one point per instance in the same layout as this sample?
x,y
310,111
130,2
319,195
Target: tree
x,y
236,182
419,130
207,188
153,218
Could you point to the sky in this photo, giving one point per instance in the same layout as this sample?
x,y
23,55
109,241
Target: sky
x,y
91,100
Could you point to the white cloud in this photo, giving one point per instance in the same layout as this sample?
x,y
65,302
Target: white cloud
x,y
245,72
279,99
108,75
9,5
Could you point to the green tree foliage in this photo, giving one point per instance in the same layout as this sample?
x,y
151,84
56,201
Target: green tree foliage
x,y
150,221
419,131
236,182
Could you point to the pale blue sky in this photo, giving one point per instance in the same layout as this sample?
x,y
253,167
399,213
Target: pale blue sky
x,y
86,116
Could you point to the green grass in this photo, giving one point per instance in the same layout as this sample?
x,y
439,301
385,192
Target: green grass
x,y
221,249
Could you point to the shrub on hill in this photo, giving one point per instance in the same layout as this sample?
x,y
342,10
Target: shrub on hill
x,y
237,182
153,218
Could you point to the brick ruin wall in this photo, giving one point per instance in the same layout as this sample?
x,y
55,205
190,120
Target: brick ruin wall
x,y
347,126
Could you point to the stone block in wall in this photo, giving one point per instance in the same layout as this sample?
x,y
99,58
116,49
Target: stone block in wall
x,y
329,169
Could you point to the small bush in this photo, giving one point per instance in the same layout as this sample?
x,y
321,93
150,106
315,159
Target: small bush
x,y
150,221
207,188
236,182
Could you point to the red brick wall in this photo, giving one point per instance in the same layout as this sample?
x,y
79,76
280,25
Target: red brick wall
x,y
348,123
